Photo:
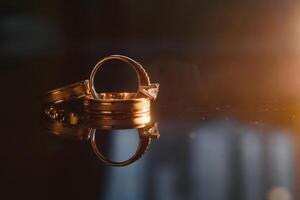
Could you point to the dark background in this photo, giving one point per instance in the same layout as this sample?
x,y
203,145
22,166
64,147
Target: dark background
x,y
215,60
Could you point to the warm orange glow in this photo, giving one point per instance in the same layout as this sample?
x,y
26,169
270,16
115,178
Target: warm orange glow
x,y
145,119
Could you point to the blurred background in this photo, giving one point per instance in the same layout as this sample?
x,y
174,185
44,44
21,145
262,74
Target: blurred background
x,y
228,107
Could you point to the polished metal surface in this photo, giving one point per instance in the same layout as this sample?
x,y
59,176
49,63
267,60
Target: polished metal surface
x,y
66,93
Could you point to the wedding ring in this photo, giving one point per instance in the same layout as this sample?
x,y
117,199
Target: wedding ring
x,y
145,87
144,143
66,93
123,109
117,111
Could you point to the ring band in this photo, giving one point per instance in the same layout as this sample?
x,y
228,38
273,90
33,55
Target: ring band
x,y
117,111
67,93
145,88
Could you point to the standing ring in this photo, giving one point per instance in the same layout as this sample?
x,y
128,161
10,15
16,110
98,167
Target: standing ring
x,y
145,87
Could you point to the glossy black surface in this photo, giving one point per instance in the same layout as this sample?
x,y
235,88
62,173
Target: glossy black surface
x,y
227,111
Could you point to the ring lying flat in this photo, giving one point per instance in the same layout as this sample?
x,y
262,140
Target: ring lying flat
x,y
66,93
117,111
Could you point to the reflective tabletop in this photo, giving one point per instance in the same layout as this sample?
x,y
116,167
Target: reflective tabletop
x,y
227,112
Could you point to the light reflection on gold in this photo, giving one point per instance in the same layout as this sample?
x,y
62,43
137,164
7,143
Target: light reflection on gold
x,y
74,126
146,119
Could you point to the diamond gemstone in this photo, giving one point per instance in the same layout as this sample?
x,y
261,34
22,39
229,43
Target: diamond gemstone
x,y
151,90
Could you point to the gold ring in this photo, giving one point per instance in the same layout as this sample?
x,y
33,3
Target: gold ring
x,y
117,111
145,87
66,93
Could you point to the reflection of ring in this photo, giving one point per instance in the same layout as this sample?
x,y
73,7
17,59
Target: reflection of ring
x,y
150,90
67,93
63,123
144,142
